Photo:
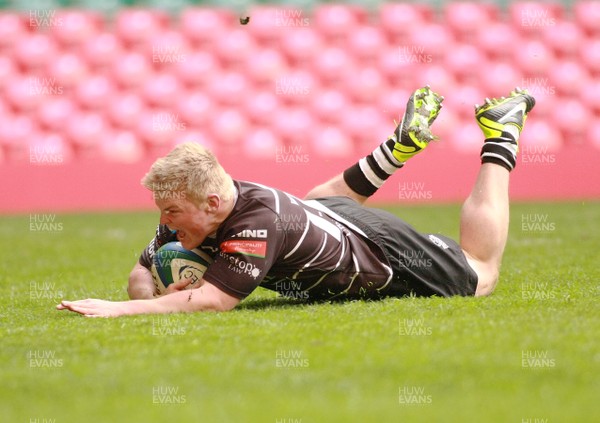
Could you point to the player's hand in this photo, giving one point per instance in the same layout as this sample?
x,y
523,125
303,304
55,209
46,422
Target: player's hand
x,y
179,286
93,308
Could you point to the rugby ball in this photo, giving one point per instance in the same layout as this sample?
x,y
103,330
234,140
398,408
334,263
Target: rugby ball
x,y
172,263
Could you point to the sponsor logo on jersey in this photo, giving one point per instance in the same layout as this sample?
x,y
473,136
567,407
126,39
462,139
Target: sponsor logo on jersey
x,y
251,233
247,248
240,266
438,242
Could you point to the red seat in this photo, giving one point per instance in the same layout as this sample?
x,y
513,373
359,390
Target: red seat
x,y
261,107
499,78
196,108
199,68
569,78
565,38
261,143
440,79
158,127
333,62
462,100
132,70
400,20
590,55
292,124
542,137
35,51
332,142
590,95
266,66
393,104
27,92
229,126
138,26
95,92
330,105
167,49
76,27
55,113
230,88
366,85
337,20
302,44
587,15
13,28
236,47
15,129
464,61
86,129
366,126
466,137
546,99
487,39
446,123
163,90
8,72
269,22
530,17
125,110
102,50
122,146
534,58
46,149
399,68
68,70
573,125
467,19
367,43
204,26
296,87
430,43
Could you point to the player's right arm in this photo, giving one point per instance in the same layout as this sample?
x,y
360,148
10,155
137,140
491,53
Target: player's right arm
x,y
141,285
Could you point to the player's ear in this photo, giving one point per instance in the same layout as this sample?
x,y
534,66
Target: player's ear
x,y
213,201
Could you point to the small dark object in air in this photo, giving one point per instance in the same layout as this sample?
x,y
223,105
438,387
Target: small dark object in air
x,y
244,21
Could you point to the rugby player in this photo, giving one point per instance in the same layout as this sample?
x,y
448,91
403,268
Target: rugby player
x,y
342,250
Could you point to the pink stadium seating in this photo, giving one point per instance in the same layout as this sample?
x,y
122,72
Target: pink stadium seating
x,y
590,95
590,55
467,19
432,40
132,70
587,15
269,23
573,125
543,135
199,68
125,110
464,61
531,17
236,47
261,143
95,92
498,78
568,77
487,39
393,103
13,28
266,66
34,51
330,105
55,114
163,90
333,62
301,44
261,107
203,26
229,89
367,43
25,92
138,26
400,20
331,142
229,126
8,72
86,129
103,50
16,129
122,146
195,108
76,27
293,124
564,38
158,127
68,70
534,58
296,87
366,85
462,99
167,48
335,21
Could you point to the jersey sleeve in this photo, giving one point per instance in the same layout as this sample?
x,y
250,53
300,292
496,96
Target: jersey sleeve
x,y
163,236
248,248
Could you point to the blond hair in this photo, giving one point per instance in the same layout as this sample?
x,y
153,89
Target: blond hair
x,y
192,170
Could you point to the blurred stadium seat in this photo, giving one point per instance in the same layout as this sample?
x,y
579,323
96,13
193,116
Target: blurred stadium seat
x,y
320,75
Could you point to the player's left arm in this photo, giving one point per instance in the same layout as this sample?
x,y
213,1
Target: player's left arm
x,y
206,298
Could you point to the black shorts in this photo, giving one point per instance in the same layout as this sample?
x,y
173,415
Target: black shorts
x,y
423,264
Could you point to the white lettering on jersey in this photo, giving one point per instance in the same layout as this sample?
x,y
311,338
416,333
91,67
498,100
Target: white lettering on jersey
x,y
251,233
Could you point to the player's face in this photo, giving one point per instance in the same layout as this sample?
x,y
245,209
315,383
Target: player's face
x,y
192,223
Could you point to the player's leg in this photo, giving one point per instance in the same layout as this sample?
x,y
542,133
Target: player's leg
x,y
411,136
485,213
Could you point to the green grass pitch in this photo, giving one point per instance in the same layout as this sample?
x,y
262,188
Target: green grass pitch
x,y
529,353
